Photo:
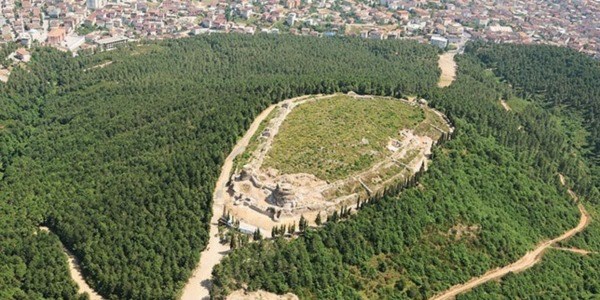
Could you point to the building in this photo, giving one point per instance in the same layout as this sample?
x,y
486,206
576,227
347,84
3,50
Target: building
x,y
94,4
56,36
438,41
291,19
111,42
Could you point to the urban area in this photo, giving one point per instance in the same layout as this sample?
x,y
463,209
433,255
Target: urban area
x,y
73,25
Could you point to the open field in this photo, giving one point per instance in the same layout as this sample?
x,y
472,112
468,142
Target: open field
x,y
336,137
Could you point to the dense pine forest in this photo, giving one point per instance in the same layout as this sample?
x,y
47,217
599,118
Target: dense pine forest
x,y
498,178
120,161
565,83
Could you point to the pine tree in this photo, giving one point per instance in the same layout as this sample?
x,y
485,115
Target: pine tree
x,y
303,225
318,219
257,235
233,243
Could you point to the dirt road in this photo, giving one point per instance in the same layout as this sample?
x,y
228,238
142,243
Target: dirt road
x,y
75,272
505,105
530,259
198,285
575,250
448,66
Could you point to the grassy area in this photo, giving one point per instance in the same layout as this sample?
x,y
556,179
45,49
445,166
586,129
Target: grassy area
x,y
245,157
517,104
336,137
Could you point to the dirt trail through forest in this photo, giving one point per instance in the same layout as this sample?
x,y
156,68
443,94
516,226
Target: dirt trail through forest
x,y
75,271
198,285
575,250
505,105
448,65
527,261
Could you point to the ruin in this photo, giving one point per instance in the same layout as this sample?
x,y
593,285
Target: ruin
x,y
278,196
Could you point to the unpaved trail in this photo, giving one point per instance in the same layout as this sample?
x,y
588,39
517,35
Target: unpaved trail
x,y
525,262
259,295
75,271
448,65
505,105
198,285
575,250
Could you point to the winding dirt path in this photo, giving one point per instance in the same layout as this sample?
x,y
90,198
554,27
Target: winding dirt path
x,y
198,286
448,65
75,271
527,261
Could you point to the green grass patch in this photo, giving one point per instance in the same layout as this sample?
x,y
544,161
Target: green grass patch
x,y
328,137
517,104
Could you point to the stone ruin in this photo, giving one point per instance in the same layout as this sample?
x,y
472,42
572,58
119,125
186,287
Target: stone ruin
x,y
284,196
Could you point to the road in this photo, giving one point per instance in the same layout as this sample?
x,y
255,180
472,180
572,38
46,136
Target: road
x,y
527,261
198,286
75,271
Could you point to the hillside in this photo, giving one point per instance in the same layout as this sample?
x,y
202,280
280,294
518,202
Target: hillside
x,y
120,160
491,195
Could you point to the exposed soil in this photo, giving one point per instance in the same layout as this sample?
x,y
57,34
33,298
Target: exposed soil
x,y
525,262
448,66
102,65
575,250
259,295
198,285
505,105
75,271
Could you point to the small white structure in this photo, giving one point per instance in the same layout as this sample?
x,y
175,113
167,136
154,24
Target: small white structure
x,y
439,41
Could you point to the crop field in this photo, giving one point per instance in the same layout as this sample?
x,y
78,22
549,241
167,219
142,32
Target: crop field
x,y
337,137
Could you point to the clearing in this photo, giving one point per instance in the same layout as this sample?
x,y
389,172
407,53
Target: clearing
x,y
315,154
448,66
339,136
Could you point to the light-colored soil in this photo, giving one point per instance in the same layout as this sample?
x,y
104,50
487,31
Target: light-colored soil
x,y
448,65
198,285
75,272
259,295
505,105
102,65
575,250
525,262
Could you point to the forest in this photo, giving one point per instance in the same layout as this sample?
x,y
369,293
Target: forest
x,y
120,161
497,178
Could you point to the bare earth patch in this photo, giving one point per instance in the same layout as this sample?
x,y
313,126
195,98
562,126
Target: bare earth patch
x,y
260,295
505,105
448,66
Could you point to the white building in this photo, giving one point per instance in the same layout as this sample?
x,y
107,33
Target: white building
x,y
95,4
439,41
